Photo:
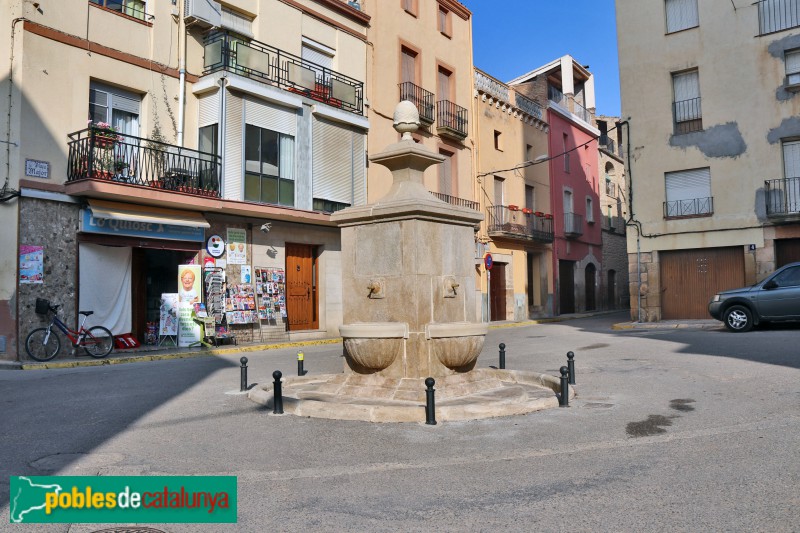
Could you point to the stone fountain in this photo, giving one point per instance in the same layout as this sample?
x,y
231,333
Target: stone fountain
x,y
410,309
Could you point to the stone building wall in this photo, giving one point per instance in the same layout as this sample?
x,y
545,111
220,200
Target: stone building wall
x,y
615,258
55,228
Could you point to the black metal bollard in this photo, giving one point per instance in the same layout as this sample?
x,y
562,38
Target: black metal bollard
x,y
571,367
277,401
430,409
243,381
300,358
502,355
563,400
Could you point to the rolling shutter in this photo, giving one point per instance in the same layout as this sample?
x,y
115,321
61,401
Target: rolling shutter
x,y
681,14
688,184
338,163
209,110
271,117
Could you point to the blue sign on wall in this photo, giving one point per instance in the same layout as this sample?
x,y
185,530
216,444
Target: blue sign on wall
x,y
131,228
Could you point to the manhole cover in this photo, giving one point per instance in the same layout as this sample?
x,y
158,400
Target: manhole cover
x,y
129,530
595,405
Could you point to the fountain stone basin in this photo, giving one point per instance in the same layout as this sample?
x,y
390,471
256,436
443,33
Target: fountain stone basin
x,y
457,345
374,345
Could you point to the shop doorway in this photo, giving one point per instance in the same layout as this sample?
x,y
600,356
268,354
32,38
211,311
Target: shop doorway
x,y
301,287
589,278
498,292
154,272
566,286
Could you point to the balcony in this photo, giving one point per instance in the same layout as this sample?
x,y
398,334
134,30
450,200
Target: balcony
x,y
777,15
573,225
783,198
512,223
688,116
424,100
690,208
134,161
569,104
272,66
454,200
451,120
610,145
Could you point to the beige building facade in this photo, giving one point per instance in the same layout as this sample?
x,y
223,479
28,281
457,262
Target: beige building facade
x,y
511,141
239,122
711,91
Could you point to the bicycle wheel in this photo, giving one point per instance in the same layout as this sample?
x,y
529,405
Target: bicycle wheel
x,y
98,342
42,345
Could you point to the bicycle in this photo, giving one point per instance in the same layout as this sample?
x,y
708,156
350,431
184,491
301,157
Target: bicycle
x,y
44,344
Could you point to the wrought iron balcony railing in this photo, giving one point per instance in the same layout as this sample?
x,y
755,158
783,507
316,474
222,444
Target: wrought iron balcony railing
x,y
777,15
454,200
511,222
692,207
573,225
132,8
424,100
783,197
125,159
610,145
688,115
270,65
451,119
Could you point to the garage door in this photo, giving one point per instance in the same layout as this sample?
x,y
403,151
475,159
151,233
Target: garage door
x,y
786,251
689,278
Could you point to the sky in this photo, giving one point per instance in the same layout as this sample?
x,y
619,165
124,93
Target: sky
x,y
513,37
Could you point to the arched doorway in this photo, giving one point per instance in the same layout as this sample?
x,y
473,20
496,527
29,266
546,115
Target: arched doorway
x,y
591,271
612,289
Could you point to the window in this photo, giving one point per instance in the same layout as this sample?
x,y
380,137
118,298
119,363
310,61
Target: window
x,y
338,165
589,210
498,191
568,206
409,6
269,167
447,183
132,8
208,139
444,21
528,152
788,278
237,22
566,154
408,65
681,14
497,141
443,84
792,62
529,198
686,108
688,193
786,198
317,53
117,107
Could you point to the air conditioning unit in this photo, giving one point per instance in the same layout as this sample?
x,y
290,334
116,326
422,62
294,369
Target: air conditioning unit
x,y
204,13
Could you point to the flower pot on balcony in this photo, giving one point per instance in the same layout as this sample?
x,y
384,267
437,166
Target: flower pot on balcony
x,y
539,214
548,216
104,142
102,174
527,211
513,208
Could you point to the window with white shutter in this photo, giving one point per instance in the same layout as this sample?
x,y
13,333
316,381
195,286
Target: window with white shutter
x,y
338,166
114,106
688,193
687,112
681,15
792,62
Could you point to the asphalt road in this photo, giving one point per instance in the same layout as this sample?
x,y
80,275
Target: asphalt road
x,y
672,430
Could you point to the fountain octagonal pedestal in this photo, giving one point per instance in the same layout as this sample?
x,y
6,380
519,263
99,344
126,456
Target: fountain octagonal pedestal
x,y
410,309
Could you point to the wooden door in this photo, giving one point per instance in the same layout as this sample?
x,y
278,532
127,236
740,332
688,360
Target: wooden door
x,y
786,251
590,282
690,278
498,292
301,287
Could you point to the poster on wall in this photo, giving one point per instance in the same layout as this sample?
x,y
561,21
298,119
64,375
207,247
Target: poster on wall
x,y
31,264
168,321
189,331
190,284
246,273
271,293
237,246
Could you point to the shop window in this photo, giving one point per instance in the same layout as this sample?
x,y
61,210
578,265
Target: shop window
x,y
269,167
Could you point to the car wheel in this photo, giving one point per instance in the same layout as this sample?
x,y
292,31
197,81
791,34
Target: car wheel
x,y
739,319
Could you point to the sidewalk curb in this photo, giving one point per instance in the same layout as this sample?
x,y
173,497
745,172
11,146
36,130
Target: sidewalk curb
x,y
123,359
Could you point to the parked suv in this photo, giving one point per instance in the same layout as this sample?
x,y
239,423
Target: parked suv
x,y
773,299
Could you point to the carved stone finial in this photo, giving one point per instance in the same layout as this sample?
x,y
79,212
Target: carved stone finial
x,y
406,119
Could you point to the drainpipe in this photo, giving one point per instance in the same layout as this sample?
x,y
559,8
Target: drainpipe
x,y
182,74
223,112
638,275
8,142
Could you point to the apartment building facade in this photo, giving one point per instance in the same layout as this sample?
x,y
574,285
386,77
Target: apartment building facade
x,y
711,91
568,88
511,142
221,136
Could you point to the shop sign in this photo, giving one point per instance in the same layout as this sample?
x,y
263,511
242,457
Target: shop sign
x,y
215,246
131,228
237,246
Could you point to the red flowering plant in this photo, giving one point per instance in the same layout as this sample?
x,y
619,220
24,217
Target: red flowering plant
x,y
104,132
